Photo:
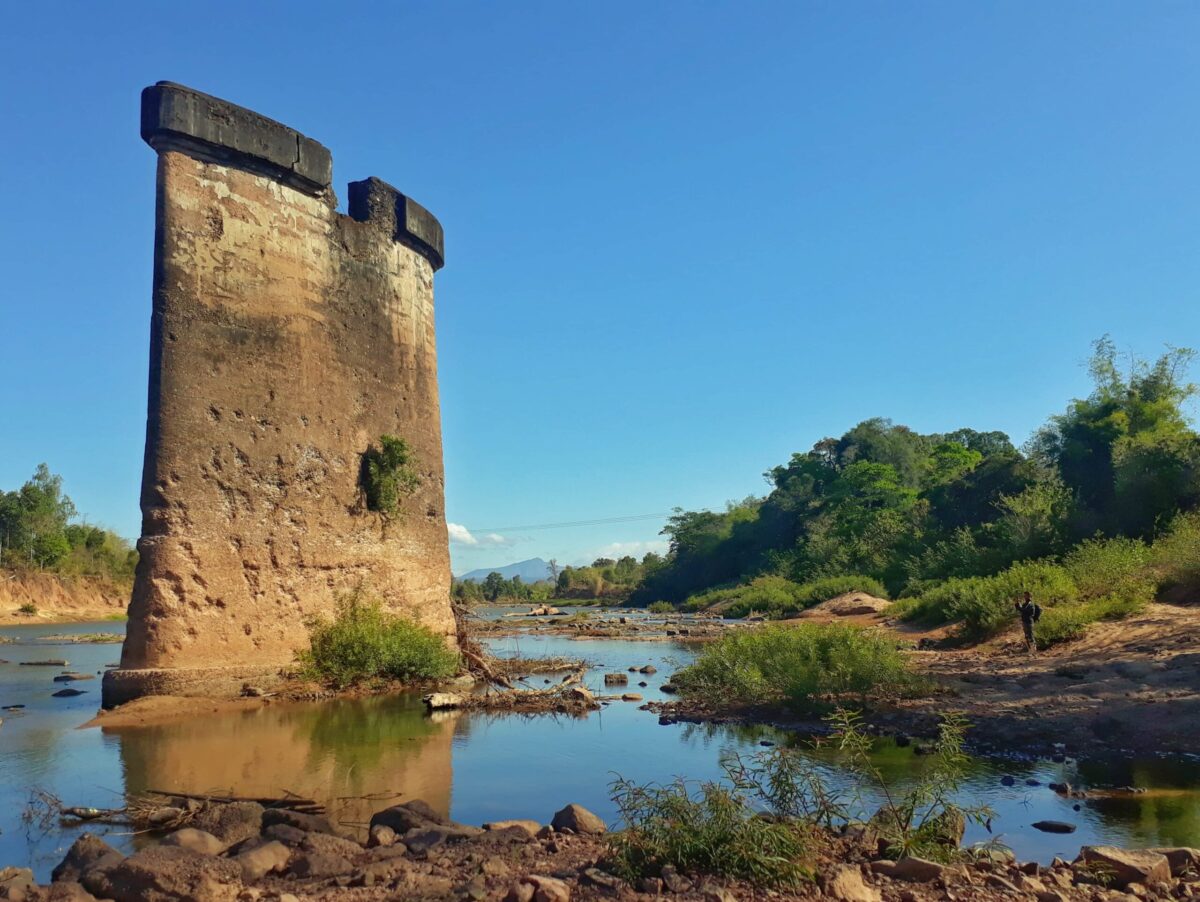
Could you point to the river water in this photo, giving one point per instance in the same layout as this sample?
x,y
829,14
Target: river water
x,y
357,755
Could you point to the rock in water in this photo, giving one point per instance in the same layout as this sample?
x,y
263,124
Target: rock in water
x,y
440,701
578,819
616,679
1054,827
68,693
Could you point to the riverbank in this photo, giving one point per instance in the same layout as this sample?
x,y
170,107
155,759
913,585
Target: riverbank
x,y
35,597
1127,687
243,850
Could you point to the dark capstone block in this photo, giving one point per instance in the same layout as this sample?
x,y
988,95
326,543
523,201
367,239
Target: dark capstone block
x,y
375,201
175,117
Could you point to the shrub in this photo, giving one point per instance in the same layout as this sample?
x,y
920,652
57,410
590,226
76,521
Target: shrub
x,y
797,664
712,830
778,597
387,473
364,642
922,818
28,608
1102,566
1176,554
984,604
1069,621
661,607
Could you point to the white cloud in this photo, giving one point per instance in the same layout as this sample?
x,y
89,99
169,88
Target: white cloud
x,y
620,549
460,535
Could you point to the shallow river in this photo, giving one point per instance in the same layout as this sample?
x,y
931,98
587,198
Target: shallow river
x,y
476,766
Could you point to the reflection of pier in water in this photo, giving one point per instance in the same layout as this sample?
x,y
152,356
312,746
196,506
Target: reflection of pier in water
x,y
352,756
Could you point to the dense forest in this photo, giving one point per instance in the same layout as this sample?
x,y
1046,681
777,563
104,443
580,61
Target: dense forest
x,y
885,508
40,529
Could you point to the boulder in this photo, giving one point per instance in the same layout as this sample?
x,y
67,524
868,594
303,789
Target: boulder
x,y
631,697
441,701
408,816
548,889
196,840
267,858
1181,859
318,864
173,874
846,884
68,693
1125,866
529,827
579,820
232,822
88,853
649,668
579,694
421,840
328,844
381,835
917,870
64,891
309,823
284,833
616,679
16,884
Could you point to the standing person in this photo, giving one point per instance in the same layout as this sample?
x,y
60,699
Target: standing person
x,y
1030,614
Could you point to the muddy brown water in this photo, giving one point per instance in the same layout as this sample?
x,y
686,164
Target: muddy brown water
x,y
357,755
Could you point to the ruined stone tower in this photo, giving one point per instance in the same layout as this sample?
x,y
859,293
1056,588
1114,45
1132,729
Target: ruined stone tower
x,y
286,340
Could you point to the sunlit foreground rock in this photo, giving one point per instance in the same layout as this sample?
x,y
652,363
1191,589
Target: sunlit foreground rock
x,y
252,853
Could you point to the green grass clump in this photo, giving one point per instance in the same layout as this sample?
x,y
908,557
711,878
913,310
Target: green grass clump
x,y
28,608
364,642
798,665
712,830
777,597
660,607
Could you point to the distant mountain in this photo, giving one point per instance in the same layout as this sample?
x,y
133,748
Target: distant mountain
x,y
531,571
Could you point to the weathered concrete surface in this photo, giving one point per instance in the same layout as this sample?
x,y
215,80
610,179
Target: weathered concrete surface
x,y
286,338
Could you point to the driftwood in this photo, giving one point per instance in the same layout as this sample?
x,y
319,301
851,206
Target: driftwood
x,y
473,652
290,801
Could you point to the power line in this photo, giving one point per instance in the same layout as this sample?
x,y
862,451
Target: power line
x,y
630,518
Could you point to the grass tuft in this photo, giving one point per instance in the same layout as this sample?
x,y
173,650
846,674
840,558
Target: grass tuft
x,y
802,665
364,642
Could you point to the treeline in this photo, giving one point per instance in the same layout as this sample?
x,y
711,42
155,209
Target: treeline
x,y
495,588
891,508
38,530
606,578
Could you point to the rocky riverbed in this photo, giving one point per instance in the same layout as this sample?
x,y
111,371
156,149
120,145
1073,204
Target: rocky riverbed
x,y
243,852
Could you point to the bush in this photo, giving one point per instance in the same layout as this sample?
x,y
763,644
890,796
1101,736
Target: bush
x,y
661,607
797,664
28,608
777,597
713,830
984,604
1176,554
387,474
1069,621
365,642
1101,566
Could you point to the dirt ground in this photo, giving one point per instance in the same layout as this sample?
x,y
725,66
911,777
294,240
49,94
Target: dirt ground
x,y
58,599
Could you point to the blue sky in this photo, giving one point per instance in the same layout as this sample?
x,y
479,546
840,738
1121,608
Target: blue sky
x,y
683,239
